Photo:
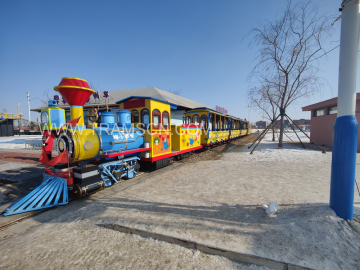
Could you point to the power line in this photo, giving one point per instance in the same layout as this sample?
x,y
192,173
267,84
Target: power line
x,y
325,53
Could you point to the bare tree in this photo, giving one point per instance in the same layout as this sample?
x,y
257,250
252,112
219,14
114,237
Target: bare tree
x,y
287,50
45,97
175,92
266,99
95,87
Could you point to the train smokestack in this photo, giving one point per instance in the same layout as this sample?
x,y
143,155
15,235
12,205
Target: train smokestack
x,y
76,92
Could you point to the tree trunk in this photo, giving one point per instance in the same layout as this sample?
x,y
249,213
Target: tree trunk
x,y
281,130
273,130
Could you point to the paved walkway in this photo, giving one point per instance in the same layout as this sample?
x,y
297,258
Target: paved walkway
x,y
26,157
215,203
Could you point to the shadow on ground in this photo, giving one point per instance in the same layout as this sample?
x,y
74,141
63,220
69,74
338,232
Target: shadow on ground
x,y
18,183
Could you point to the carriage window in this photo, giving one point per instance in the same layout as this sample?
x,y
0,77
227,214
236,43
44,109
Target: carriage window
x,y
188,120
156,118
196,119
211,126
134,116
217,121
226,123
165,118
145,119
204,121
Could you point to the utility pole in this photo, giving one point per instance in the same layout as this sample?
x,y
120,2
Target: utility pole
x,y
345,133
19,118
28,97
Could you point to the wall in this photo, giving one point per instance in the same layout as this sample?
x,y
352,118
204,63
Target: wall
x,y
6,128
322,127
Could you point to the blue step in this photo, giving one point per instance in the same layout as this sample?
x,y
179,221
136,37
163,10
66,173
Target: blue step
x,y
52,192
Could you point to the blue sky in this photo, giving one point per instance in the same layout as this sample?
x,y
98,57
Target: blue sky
x,y
199,47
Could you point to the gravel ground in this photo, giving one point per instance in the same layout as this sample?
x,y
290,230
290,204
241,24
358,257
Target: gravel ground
x,y
214,202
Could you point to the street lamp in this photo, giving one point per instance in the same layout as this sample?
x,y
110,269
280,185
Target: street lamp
x,y
28,98
18,118
248,106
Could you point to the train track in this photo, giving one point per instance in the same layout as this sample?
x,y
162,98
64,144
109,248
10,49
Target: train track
x,y
34,213
30,215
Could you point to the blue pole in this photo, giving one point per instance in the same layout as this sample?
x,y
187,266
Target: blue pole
x,y
346,127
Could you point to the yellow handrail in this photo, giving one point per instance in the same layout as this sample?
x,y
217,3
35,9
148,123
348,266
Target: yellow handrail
x,y
9,116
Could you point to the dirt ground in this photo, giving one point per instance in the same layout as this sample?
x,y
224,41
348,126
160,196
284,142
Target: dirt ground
x,y
216,153
214,202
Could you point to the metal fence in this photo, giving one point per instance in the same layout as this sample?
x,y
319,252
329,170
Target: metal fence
x,y
36,144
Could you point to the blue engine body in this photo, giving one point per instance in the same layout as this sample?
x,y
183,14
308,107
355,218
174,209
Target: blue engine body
x,y
119,136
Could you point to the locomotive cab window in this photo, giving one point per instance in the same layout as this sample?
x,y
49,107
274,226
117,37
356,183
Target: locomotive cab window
x,y
145,118
165,119
203,122
156,119
134,116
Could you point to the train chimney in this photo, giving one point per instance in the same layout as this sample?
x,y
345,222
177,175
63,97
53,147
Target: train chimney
x,y
76,92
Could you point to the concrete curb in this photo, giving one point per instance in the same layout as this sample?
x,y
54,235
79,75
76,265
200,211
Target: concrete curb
x,y
234,256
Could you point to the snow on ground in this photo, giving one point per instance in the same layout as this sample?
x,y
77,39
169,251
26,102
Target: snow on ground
x,y
16,142
289,135
215,202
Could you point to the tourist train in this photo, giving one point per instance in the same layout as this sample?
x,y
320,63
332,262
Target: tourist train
x,y
112,147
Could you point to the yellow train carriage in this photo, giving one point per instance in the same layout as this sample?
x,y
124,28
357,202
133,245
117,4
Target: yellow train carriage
x,y
249,129
215,126
186,137
153,116
246,128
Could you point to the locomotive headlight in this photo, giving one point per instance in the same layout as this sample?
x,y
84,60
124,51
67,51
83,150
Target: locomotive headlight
x,y
61,145
44,118
65,142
